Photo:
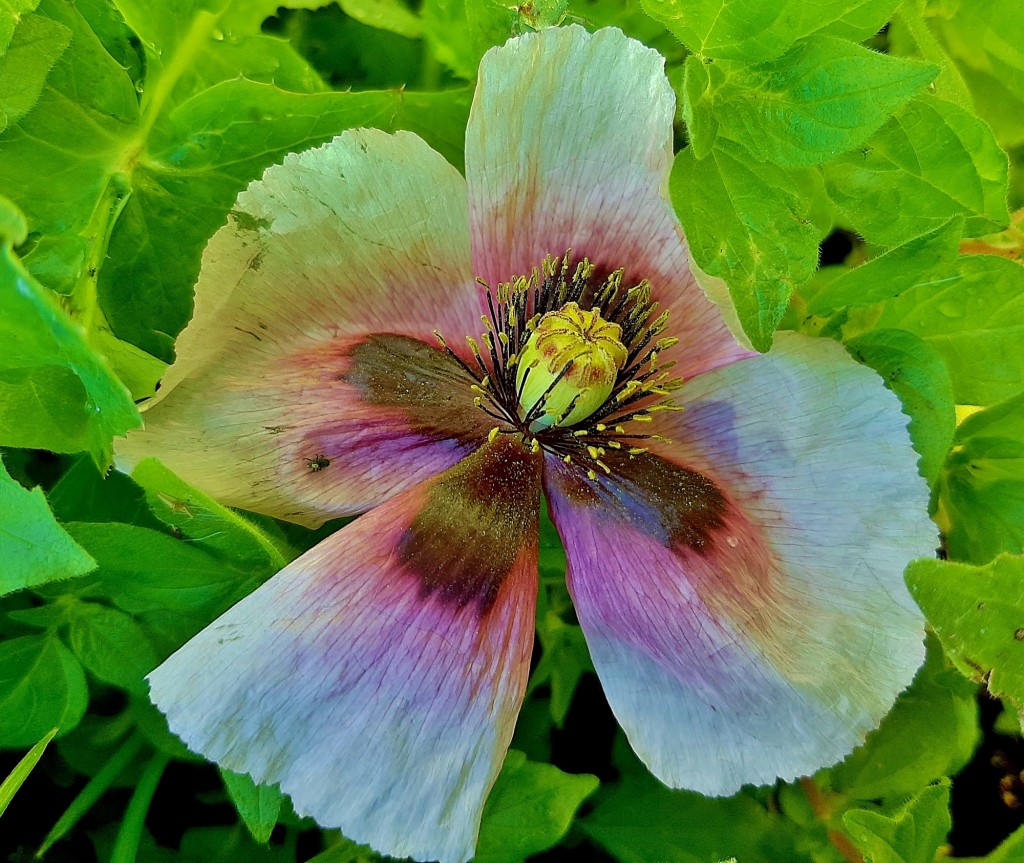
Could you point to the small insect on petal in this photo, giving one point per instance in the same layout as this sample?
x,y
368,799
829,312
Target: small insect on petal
x,y
318,463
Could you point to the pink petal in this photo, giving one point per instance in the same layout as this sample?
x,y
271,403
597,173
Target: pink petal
x,y
365,235
742,592
378,677
569,146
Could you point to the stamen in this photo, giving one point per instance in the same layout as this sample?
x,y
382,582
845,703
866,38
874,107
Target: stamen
x,y
558,350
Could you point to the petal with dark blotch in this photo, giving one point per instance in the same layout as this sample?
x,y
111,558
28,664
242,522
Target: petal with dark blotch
x,y
365,235
569,145
742,591
378,677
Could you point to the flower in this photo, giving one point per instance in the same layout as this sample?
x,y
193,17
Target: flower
x,y
735,564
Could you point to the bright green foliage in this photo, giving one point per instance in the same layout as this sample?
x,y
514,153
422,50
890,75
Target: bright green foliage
x,y
36,44
986,38
16,778
822,98
932,161
917,374
151,179
976,612
972,313
258,805
912,835
173,587
41,687
750,227
111,645
922,260
33,547
529,809
56,392
982,486
754,30
202,520
930,733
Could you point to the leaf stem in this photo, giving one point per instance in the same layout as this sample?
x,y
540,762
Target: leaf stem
x,y
94,789
126,845
823,812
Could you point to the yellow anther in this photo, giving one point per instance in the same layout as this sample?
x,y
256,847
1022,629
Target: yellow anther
x,y
591,475
637,450
567,459
642,418
493,433
535,446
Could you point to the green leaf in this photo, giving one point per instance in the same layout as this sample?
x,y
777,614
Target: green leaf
x,y
909,36
823,98
41,687
34,548
988,36
982,485
150,180
973,315
111,645
36,45
932,161
172,587
564,661
919,261
747,224
640,820
201,519
862,21
56,393
257,805
917,373
391,15
754,30
10,13
85,494
529,809
446,30
16,778
912,835
12,223
978,613
931,732
346,851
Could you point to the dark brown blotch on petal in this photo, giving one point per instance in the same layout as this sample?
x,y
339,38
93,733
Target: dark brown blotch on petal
x,y
681,508
423,381
478,519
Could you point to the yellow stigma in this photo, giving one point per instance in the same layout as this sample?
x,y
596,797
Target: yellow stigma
x,y
568,368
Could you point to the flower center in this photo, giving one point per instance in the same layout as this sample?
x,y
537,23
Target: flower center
x,y
569,362
568,367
